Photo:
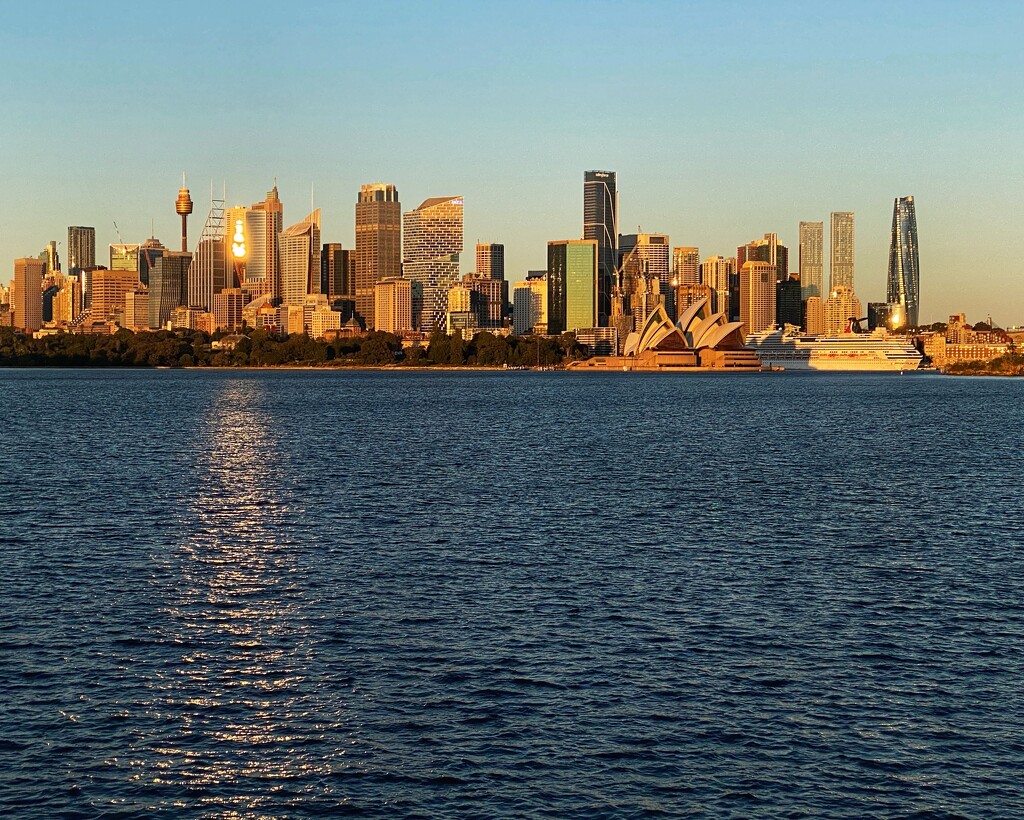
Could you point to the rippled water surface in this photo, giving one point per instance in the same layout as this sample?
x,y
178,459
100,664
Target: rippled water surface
x,y
278,594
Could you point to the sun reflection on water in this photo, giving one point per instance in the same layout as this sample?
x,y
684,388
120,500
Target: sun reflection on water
x,y
236,705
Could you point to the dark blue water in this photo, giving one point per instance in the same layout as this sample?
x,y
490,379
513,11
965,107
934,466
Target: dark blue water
x,y
242,594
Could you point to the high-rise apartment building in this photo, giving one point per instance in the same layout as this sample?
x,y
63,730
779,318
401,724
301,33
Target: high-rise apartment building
x,y
432,244
812,240
686,265
903,285
490,260
601,224
841,251
27,293
81,251
573,277
841,306
300,260
757,296
378,251
717,273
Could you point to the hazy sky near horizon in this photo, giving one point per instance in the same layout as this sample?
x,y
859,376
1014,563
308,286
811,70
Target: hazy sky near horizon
x,y
723,120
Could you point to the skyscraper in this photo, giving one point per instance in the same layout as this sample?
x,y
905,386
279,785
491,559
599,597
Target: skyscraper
x,y
300,260
109,288
904,281
757,296
264,250
208,271
149,251
27,293
573,277
812,240
601,223
81,248
841,251
490,260
378,252
51,258
788,304
768,249
337,272
168,286
432,244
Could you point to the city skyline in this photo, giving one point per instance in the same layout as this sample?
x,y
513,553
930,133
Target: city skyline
x,y
76,152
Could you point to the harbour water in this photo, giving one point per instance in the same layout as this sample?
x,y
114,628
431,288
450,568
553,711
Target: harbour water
x,y
270,594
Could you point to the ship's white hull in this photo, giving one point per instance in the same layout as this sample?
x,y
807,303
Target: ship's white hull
x,y
835,363
848,352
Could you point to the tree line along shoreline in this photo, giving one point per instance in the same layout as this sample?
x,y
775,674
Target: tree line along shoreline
x,y
251,348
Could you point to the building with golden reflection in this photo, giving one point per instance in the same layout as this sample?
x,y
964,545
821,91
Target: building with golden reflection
x,y
841,306
757,296
109,289
393,305
378,251
27,295
686,265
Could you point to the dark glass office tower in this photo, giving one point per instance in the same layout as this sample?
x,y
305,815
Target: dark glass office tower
x,y
904,285
600,222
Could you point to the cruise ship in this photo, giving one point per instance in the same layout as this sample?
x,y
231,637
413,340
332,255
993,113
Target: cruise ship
x,y
789,349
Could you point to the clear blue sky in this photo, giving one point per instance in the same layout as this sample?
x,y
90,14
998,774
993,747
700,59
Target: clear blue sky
x,y
724,120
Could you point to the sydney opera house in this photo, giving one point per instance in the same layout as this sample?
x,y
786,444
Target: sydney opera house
x,y
699,340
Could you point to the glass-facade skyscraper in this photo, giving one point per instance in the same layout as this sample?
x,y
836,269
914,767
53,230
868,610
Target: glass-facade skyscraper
x,y
601,223
431,247
573,277
904,282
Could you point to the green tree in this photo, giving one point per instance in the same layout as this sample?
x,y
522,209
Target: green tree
x,y
457,349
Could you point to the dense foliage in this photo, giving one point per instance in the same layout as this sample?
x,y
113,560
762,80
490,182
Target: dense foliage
x,y
257,348
1012,364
